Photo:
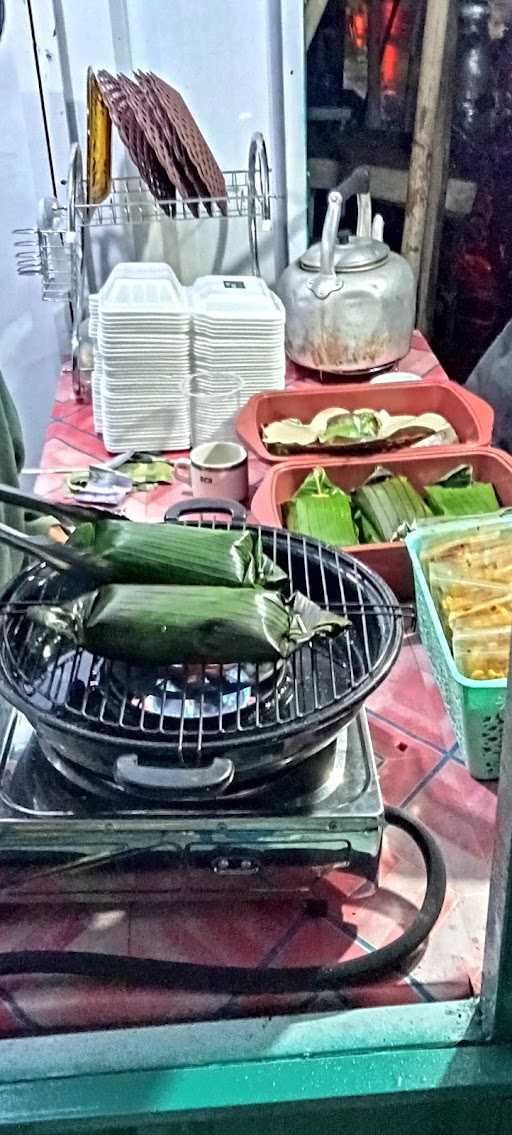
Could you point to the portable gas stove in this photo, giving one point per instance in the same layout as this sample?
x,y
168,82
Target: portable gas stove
x,y
212,770
331,815
225,769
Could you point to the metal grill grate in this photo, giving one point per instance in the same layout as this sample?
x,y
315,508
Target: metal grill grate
x,y
118,700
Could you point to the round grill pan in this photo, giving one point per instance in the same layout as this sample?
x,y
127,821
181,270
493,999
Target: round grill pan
x,y
94,712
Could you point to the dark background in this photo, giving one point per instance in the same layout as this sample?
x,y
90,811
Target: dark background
x,y
474,290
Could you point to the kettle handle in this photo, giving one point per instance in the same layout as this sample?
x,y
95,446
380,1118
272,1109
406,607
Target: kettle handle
x,y
358,183
330,232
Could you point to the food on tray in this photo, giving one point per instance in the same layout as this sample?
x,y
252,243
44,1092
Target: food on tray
x,y
289,435
337,428
159,625
458,494
470,577
385,508
321,510
174,553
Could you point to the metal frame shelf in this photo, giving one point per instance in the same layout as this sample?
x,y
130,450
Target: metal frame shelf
x,y
130,202
54,249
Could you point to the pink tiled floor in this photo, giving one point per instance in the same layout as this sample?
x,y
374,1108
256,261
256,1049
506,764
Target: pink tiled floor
x,y
419,770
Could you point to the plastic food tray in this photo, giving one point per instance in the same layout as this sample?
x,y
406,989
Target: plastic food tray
x,y
476,709
422,467
470,416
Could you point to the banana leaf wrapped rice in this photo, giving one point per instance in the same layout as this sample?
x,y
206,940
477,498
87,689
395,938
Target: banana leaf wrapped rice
x,y
322,510
458,494
163,625
388,507
174,554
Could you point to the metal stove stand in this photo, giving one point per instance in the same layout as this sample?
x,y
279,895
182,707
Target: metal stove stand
x,y
48,829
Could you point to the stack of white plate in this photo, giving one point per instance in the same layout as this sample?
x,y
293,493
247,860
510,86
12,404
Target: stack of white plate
x,y
238,327
144,355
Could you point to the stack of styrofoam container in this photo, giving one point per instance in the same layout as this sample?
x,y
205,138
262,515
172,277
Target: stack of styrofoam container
x,y
238,327
144,359
151,333
96,376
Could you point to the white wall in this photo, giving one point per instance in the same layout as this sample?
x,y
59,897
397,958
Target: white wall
x,y
238,63
225,57
29,350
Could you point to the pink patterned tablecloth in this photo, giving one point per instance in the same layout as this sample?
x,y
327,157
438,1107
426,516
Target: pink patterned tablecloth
x,y
420,769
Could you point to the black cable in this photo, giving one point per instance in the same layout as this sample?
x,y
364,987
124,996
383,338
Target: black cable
x,y
42,101
241,980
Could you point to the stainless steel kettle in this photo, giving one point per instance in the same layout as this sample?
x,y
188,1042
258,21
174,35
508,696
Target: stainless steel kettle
x,y
350,302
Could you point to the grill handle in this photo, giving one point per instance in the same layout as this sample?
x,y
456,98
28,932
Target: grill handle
x,y
207,505
60,556
75,513
156,780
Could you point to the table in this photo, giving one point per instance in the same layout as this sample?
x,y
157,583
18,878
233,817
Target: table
x,y
420,769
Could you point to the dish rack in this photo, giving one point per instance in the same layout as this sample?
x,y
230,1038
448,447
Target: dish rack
x,y
54,248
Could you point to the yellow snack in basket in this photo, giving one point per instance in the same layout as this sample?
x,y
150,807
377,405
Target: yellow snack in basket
x,y
481,554
458,595
492,613
482,655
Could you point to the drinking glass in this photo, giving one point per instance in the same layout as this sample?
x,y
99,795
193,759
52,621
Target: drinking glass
x,y
214,401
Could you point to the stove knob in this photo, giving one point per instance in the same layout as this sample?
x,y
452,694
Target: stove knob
x,y
235,864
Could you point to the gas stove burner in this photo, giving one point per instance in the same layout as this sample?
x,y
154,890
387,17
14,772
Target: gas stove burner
x,y
195,692
229,688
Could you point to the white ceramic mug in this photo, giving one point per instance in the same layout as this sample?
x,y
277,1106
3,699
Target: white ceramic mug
x,y
215,469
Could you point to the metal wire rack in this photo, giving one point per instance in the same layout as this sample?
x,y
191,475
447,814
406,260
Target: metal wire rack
x,y
130,202
50,254
54,249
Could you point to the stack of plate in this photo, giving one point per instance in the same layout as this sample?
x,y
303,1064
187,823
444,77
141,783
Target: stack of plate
x,y
238,325
144,359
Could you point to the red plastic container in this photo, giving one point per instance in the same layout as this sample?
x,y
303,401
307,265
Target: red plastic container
x,y
471,417
391,561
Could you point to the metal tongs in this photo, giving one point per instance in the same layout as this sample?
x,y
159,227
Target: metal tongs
x,y
60,556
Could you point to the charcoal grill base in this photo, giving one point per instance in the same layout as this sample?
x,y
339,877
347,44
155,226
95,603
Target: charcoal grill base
x,y
48,825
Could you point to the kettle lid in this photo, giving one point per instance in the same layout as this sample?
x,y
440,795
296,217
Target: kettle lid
x,y
351,253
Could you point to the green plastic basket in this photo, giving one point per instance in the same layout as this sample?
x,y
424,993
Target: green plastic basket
x,y
476,709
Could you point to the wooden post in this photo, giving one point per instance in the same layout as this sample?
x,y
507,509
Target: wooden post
x,y
413,68
432,56
373,111
439,171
